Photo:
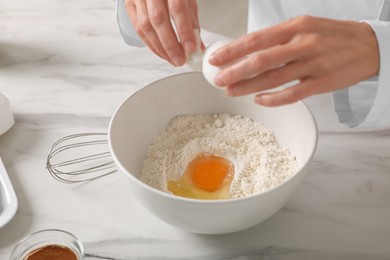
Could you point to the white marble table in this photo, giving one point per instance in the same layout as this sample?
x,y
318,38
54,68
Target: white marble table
x,y
65,70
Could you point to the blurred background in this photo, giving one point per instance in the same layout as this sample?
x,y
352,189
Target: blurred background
x,y
225,17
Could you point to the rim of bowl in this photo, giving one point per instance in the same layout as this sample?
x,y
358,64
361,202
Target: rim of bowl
x,y
200,201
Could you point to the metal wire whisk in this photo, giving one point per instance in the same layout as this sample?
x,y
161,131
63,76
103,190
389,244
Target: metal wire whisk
x,y
80,157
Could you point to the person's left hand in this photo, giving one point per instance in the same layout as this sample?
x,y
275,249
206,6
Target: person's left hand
x,y
166,27
321,54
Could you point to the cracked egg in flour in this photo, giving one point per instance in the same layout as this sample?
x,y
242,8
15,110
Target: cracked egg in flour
x,y
206,177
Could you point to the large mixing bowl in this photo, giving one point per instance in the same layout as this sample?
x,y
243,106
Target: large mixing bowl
x,y
143,114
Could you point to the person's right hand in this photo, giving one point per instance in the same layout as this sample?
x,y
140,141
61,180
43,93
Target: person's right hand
x,y
151,20
317,55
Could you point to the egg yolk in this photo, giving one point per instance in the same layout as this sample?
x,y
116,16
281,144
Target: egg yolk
x,y
206,177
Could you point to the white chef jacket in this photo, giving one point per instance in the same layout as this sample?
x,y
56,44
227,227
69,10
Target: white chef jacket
x,y
365,104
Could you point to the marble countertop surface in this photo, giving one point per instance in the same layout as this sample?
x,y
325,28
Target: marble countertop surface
x,y
65,69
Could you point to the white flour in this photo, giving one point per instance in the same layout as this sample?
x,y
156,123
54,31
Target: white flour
x,y
260,163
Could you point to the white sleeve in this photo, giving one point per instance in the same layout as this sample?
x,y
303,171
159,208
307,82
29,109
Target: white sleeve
x,y
368,103
125,26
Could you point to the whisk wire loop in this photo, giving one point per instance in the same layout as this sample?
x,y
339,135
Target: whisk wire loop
x,y
80,158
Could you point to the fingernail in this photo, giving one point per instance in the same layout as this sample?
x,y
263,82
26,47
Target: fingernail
x,y
230,91
219,80
189,47
213,58
259,99
178,61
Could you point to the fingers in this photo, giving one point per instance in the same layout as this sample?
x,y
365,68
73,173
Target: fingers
x,y
195,22
259,62
289,95
270,79
140,19
278,34
194,13
180,12
152,22
160,20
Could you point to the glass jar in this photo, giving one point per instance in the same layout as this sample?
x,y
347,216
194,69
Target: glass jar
x,y
48,237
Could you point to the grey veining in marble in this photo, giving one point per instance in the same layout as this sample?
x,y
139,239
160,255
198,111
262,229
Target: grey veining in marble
x,y
65,69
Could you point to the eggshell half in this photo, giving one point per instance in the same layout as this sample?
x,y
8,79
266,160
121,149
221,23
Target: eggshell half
x,y
210,71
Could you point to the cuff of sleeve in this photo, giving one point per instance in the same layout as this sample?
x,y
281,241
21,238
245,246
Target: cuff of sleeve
x,y
365,110
382,98
353,104
343,109
125,27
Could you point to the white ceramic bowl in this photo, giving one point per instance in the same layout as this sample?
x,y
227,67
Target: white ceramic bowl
x,y
143,114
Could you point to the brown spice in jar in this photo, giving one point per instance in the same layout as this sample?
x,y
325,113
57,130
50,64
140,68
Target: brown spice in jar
x,y
52,252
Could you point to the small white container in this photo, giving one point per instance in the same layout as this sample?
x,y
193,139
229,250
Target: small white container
x,y
6,116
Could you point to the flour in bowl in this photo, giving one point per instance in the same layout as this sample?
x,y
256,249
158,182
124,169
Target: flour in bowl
x,y
260,163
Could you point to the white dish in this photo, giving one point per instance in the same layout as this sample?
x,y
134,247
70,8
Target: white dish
x,y
6,116
143,114
8,200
